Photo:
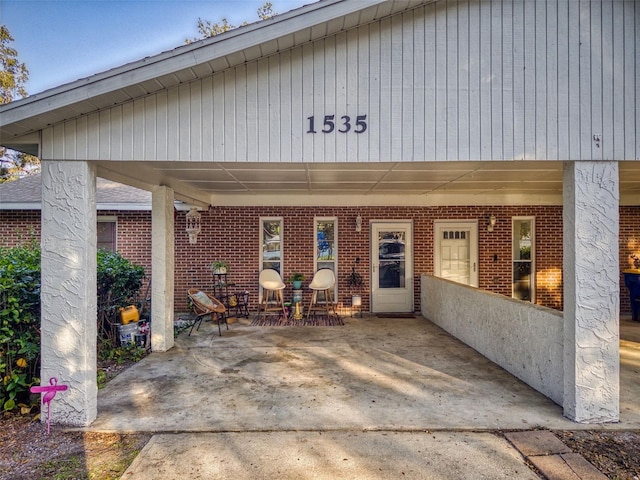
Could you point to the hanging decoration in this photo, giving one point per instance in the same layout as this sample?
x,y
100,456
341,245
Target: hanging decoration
x,y
193,225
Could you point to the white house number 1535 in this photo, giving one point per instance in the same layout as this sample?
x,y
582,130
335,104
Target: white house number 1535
x,y
343,125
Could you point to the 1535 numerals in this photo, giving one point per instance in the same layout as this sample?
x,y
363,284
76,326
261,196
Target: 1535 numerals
x,y
343,125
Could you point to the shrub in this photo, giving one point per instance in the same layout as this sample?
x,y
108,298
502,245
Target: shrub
x,y
19,323
118,282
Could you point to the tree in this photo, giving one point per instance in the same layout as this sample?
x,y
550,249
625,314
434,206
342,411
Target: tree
x,y
208,29
14,165
14,74
13,77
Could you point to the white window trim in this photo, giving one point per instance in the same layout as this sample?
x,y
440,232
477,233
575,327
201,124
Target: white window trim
x,y
336,249
532,280
261,242
110,219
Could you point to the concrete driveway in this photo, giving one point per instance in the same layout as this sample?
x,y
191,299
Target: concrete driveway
x,y
375,399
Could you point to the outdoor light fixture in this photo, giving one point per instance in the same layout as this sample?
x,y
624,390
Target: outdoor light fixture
x,y
492,223
193,225
358,223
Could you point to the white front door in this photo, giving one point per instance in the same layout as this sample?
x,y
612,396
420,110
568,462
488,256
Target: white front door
x,y
392,266
456,251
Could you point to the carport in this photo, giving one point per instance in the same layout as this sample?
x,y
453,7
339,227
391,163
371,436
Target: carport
x,y
248,99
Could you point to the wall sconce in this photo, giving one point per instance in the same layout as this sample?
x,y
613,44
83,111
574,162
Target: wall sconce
x,y
358,223
492,223
193,225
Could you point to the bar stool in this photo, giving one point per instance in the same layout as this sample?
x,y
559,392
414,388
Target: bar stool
x,y
323,281
272,299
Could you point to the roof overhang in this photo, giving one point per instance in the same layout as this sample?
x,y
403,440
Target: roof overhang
x,y
186,63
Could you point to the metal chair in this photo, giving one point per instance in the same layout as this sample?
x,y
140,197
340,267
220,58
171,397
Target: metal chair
x,y
204,305
323,281
272,298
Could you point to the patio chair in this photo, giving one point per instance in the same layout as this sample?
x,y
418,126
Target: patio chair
x,y
272,287
204,305
323,282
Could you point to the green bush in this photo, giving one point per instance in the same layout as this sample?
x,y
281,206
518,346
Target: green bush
x,y
119,281
19,324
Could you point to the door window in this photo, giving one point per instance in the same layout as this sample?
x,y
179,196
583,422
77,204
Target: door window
x,y
391,258
391,266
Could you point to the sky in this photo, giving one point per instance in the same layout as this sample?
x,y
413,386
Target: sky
x,y
61,41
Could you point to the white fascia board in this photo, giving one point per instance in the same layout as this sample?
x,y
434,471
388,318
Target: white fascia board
x,y
29,143
380,200
20,206
117,207
180,58
124,206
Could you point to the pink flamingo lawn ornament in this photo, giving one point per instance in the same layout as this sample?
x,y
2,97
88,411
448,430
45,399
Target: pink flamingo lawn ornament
x,y
49,392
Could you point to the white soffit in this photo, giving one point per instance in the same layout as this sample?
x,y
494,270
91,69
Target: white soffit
x,y
461,183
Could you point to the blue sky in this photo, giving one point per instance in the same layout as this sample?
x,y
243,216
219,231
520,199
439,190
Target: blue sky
x,y
63,40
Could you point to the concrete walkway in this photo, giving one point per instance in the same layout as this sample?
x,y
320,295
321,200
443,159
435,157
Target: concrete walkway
x,y
377,398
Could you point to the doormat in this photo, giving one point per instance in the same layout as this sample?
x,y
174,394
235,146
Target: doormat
x,y
274,321
395,315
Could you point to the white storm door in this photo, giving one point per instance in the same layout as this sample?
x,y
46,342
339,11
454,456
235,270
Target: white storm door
x,y
391,267
456,251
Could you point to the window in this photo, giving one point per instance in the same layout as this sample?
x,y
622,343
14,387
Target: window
x,y
107,233
523,285
326,256
271,241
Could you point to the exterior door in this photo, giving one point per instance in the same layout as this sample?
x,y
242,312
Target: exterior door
x,y
392,267
456,251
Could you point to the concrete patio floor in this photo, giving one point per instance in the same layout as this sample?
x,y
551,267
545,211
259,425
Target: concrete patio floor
x,y
371,374
374,399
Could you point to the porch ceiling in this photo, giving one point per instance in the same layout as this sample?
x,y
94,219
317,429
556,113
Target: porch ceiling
x,y
465,182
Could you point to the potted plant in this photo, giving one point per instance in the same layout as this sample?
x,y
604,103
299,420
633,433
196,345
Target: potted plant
x,y
296,279
219,267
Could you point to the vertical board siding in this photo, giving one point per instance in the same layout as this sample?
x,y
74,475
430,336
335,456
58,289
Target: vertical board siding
x,y
473,113
462,77
454,80
631,54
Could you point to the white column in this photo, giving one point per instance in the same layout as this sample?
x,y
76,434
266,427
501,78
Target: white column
x,y
591,291
162,269
69,291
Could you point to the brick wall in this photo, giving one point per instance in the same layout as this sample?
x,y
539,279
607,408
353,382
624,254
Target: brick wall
x,y
133,240
19,226
629,244
232,234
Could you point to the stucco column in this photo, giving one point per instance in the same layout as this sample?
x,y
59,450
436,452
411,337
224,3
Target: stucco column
x,y
162,269
69,291
591,291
